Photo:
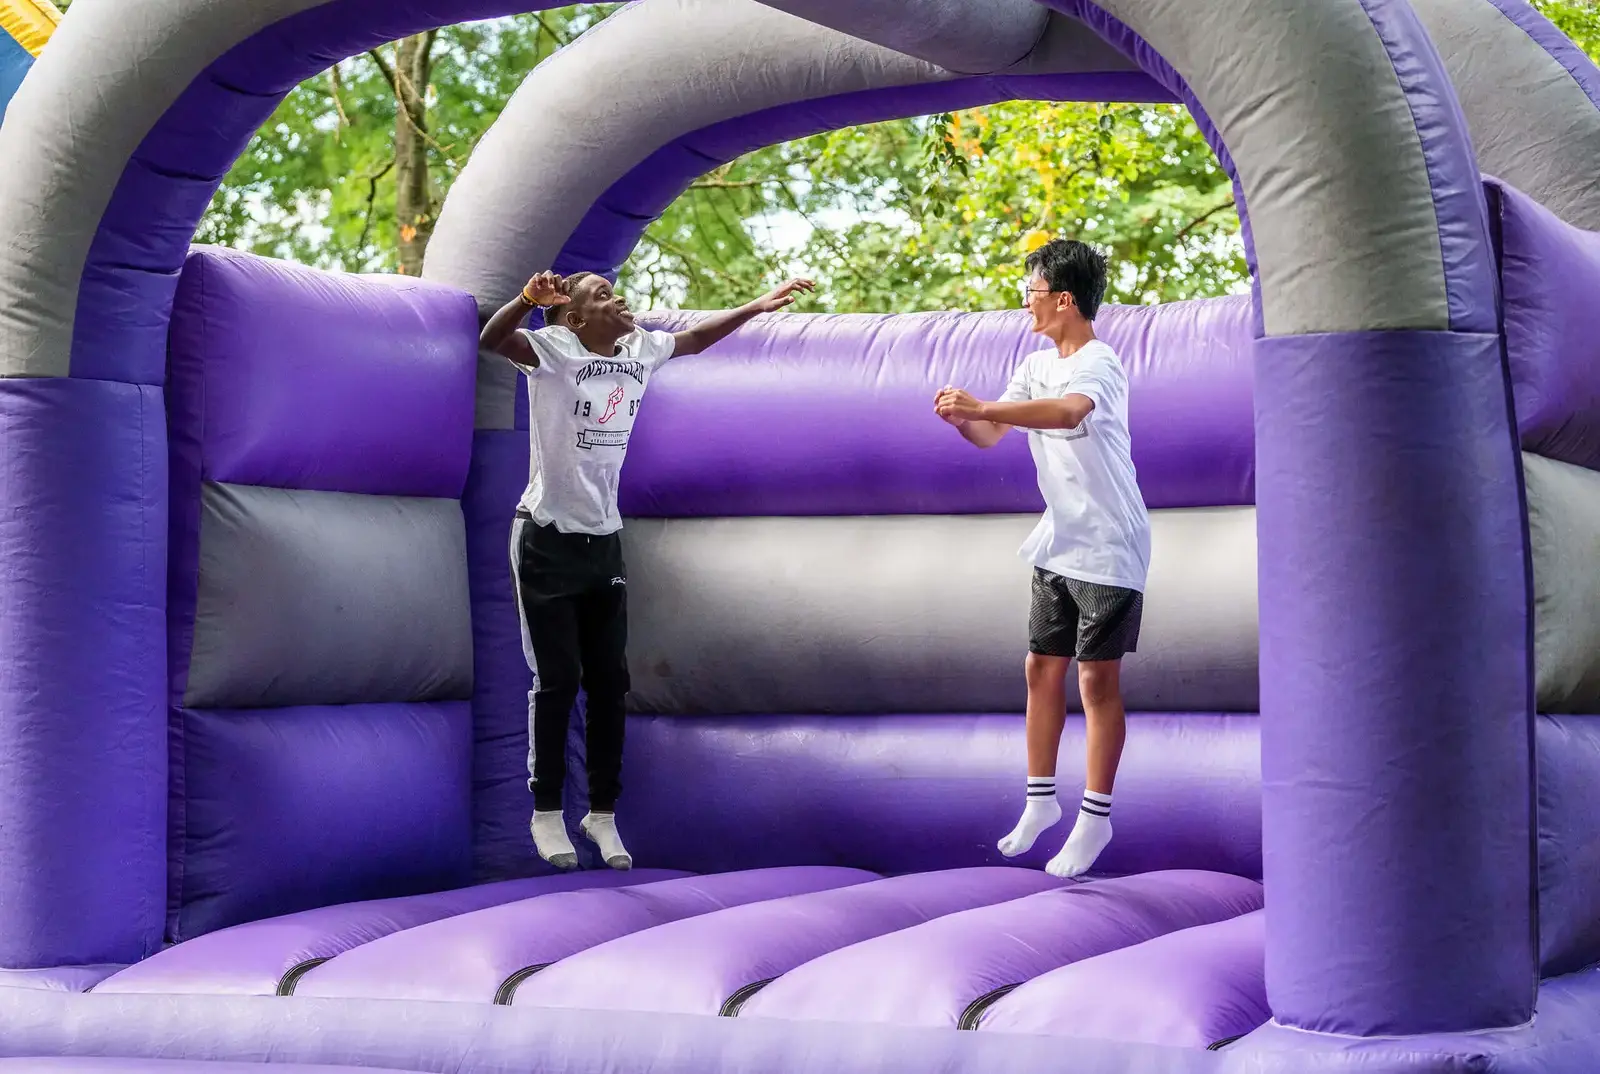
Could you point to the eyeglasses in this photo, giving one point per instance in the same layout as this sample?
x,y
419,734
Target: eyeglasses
x,y
1027,291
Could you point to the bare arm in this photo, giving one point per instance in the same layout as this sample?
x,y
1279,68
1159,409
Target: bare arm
x,y
500,334
984,424
1067,412
980,433
719,326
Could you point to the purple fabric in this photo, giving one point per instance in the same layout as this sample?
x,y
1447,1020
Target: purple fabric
x,y
268,798
1471,288
252,959
501,802
1395,689
863,385
61,1065
296,378
1563,1039
474,1038
83,748
910,793
1569,847
1550,273
467,958
58,978
928,974
694,966
1188,989
606,236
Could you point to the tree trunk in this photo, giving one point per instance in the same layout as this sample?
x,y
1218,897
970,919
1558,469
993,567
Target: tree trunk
x,y
413,202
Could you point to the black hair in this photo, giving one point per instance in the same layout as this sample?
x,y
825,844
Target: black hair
x,y
558,314
1074,267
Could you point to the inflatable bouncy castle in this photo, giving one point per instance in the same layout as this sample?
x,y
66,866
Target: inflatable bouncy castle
x,y
263,701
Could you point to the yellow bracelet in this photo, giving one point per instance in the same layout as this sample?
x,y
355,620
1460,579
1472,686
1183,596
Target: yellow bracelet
x,y
530,302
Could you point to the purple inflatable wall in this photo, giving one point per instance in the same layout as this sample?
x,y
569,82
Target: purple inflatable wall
x,y
357,395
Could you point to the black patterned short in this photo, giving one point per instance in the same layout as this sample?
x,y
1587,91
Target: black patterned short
x,y
1082,619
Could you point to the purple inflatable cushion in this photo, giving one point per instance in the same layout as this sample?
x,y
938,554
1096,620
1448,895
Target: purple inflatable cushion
x,y
484,956
700,964
931,974
855,392
1550,274
1189,989
266,957
296,378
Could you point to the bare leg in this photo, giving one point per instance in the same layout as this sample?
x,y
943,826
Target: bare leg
x,y
1100,685
1047,713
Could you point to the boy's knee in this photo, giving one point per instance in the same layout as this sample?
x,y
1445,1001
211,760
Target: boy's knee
x,y
1044,670
1099,682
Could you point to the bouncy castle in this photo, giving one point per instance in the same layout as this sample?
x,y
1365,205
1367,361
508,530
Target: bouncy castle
x,y
263,700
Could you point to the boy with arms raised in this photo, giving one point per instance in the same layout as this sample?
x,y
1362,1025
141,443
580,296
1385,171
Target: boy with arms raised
x,y
587,370
1091,548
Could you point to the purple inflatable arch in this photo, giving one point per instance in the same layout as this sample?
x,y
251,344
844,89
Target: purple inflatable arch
x,y
263,711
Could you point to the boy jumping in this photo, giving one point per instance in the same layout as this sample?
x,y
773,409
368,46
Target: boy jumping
x,y
1090,550
587,369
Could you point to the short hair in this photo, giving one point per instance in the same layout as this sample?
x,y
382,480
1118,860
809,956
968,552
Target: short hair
x,y
557,314
1074,267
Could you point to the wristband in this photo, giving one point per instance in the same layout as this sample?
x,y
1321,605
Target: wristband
x,y
528,301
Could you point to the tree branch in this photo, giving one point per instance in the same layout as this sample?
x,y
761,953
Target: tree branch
x,y
372,197
336,85
1183,232
385,70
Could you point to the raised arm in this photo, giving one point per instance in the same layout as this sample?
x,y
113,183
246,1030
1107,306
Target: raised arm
x,y
500,334
719,325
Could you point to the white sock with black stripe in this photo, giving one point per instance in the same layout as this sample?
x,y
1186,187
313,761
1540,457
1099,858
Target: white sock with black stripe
x,y
1089,837
1039,814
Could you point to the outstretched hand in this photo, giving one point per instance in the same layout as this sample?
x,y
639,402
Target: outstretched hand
x,y
547,289
783,296
957,406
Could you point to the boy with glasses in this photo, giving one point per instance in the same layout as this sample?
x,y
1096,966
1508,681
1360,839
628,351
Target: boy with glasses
x,y
1091,548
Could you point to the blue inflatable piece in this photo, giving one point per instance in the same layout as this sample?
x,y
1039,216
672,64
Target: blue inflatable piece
x,y
25,26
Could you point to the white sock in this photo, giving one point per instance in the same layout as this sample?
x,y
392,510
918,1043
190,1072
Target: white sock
x,y
1089,837
1039,814
551,840
601,828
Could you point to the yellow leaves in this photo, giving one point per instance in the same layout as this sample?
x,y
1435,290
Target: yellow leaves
x,y
407,233
1034,239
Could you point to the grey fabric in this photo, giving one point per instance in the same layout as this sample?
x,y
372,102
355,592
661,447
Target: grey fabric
x,y
944,32
1564,532
328,598
1532,124
913,614
495,406
111,71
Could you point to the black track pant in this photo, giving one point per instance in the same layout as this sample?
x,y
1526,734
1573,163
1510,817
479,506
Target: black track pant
x,y
572,594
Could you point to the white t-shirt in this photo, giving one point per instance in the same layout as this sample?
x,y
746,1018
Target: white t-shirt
x,y
1095,527
581,409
